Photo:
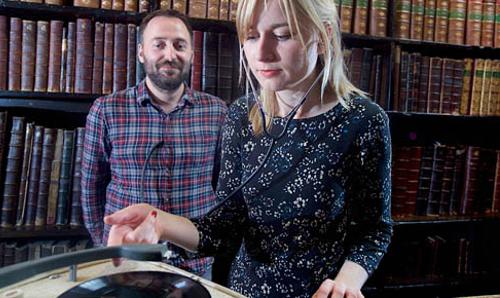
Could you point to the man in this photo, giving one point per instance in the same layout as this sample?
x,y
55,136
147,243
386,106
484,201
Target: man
x,y
156,142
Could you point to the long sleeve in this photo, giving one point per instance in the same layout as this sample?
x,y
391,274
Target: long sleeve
x,y
95,172
370,228
222,229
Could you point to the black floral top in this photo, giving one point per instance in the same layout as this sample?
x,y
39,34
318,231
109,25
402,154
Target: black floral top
x,y
323,196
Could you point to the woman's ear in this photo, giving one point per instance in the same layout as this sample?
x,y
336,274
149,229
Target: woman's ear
x,y
329,34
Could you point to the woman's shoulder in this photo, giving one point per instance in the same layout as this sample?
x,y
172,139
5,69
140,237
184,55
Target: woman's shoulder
x,y
364,107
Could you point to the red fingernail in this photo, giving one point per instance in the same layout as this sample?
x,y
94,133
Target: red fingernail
x,y
154,213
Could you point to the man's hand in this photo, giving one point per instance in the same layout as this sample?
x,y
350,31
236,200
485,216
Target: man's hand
x,y
134,224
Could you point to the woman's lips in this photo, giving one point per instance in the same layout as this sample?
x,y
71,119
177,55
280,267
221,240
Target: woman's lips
x,y
269,73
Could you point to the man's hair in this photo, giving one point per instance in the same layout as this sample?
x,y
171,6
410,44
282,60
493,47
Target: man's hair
x,y
168,13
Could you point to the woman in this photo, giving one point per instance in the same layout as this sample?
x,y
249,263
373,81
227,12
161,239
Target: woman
x,y
314,216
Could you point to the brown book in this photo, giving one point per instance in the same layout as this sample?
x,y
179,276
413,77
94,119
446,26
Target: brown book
x,y
196,66
86,3
497,24
107,74
4,51
12,172
70,58
42,56
197,9
488,23
54,2
477,87
355,66
495,89
145,5
65,177
54,178
180,5
417,19
106,4
120,57
423,89
473,22
441,25
434,94
64,58
495,204
458,85
130,5
424,180
378,18
28,55
15,52
456,30
470,180
34,176
467,86
165,4
48,147
97,65
131,54
429,20
3,139
414,82
448,74
76,207
404,82
449,156
118,4
346,16
84,52
209,68
484,104
360,18
458,180
25,173
213,9
233,6
224,9
433,201
55,56
402,19
396,78
406,168
225,67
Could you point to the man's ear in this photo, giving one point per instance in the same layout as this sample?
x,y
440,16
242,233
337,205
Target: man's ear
x,y
140,52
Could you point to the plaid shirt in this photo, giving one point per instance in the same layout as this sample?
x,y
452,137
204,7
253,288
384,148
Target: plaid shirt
x,y
122,130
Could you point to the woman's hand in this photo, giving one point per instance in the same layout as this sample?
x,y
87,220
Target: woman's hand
x,y
134,224
335,289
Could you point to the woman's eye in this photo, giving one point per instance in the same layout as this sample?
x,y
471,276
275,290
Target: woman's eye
x,y
282,37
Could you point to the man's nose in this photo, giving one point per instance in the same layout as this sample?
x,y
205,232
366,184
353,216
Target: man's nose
x,y
169,52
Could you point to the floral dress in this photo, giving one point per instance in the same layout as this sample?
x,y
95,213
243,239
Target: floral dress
x,y
322,197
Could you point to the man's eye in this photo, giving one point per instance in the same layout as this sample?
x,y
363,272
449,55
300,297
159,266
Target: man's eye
x,y
180,46
158,45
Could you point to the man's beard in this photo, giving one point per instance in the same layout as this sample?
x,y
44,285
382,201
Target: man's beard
x,y
163,82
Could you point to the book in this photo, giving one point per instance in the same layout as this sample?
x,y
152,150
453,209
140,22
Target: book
x,y
15,52
473,22
120,57
402,18
477,87
441,24
118,5
488,23
456,30
457,180
497,24
495,203
87,3
3,141
417,19
28,55
224,9
467,86
225,67
64,189
180,6
107,72
209,67
213,9
83,58
360,17
457,87
434,199
55,56
197,9
424,180
42,56
106,4
76,206
429,20
131,54
346,16
48,147
12,172
130,5
378,18
196,65
34,176
434,93
54,178
98,58
25,173
233,6
70,58
64,58
4,51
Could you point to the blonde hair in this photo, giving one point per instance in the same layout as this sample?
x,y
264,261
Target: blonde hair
x,y
321,15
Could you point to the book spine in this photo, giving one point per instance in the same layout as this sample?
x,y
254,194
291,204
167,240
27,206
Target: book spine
x,y
25,172
54,178
64,194
442,15
497,24
12,172
467,87
86,3
477,87
48,146
434,95
42,56
429,20
488,23
15,50
120,57
106,4
417,19
213,9
224,9
233,6
4,51
97,68
76,207
378,18
360,19
473,23
180,6
64,59
84,59
457,89
131,5
402,19
197,9
346,16
456,31
131,54
118,5
55,56
70,58
34,176
225,67
197,64
209,71
447,86
28,55
107,76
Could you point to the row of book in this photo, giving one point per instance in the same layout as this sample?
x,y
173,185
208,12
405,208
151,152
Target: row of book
x,y
363,16
445,180
100,58
470,22
41,180
368,70
210,9
437,256
449,86
16,252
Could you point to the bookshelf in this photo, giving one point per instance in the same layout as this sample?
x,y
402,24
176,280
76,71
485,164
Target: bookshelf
x,y
408,128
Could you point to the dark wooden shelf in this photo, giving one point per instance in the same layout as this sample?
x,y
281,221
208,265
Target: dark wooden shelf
x,y
30,233
427,220
419,129
75,103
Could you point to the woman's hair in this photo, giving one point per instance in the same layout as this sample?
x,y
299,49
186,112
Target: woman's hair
x,y
321,16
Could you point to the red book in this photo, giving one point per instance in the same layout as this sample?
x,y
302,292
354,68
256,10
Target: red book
x,y
15,51
196,66
473,23
84,59
4,51
55,56
28,55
